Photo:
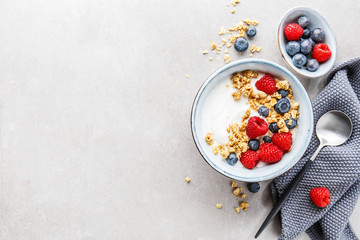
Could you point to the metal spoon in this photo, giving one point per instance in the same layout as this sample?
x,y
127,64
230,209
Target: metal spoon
x,y
332,129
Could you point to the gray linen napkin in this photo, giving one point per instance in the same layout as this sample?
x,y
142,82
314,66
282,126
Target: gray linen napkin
x,y
336,168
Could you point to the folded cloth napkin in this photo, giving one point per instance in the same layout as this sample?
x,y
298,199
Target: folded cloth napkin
x,y
336,168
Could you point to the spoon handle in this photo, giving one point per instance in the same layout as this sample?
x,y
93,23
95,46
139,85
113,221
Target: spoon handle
x,y
284,197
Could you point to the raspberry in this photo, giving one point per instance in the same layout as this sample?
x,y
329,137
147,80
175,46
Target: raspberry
x,y
256,127
320,196
249,159
266,84
321,52
270,153
293,31
283,140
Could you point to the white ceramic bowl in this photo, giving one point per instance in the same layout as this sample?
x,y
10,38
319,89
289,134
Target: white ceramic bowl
x,y
300,143
316,20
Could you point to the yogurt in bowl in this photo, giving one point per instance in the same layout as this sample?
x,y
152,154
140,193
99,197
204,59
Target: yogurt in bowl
x,y
215,108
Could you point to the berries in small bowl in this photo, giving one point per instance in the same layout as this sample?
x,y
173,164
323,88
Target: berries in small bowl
x,y
306,42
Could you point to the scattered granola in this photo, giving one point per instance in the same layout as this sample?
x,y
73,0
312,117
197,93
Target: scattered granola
x,y
187,179
237,191
215,150
244,205
237,209
249,21
227,58
254,48
233,184
238,30
209,137
219,205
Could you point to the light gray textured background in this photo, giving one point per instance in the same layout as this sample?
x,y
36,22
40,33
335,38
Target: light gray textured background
x,y
95,137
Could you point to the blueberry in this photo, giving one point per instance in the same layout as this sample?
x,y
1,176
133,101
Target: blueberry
x,y
312,42
254,144
267,139
241,44
293,123
312,65
303,21
232,159
283,92
251,31
292,48
306,46
318,35
254,187
273,127
306,33
263,111
299,60
282,106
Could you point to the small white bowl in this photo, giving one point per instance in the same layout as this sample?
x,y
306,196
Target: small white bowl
x,y
316,21
304,129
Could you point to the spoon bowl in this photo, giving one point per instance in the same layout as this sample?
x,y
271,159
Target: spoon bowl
x,y
333,128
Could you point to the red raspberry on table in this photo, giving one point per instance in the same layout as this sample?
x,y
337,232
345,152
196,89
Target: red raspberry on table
x,y
283,140
270,153
249,159
320,196
293,31
266,84
321,52
256,127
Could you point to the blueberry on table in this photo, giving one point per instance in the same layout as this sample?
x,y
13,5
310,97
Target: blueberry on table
x,y
303,21
282,106
292,124
306,46
254,187
283,92
254,144
263,111
292,48
318,35
232,159
299,60
273,127
267,139
306,33
251,31
241,44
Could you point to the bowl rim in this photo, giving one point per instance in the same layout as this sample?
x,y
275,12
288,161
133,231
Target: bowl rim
x,y
196,100
282,54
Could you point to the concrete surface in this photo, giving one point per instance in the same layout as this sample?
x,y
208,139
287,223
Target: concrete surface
x,y
95,137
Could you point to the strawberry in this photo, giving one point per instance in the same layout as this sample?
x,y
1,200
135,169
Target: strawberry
x,y
293,31
320,196
266,84
321,52
249,159
283,140
256,127
270,153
